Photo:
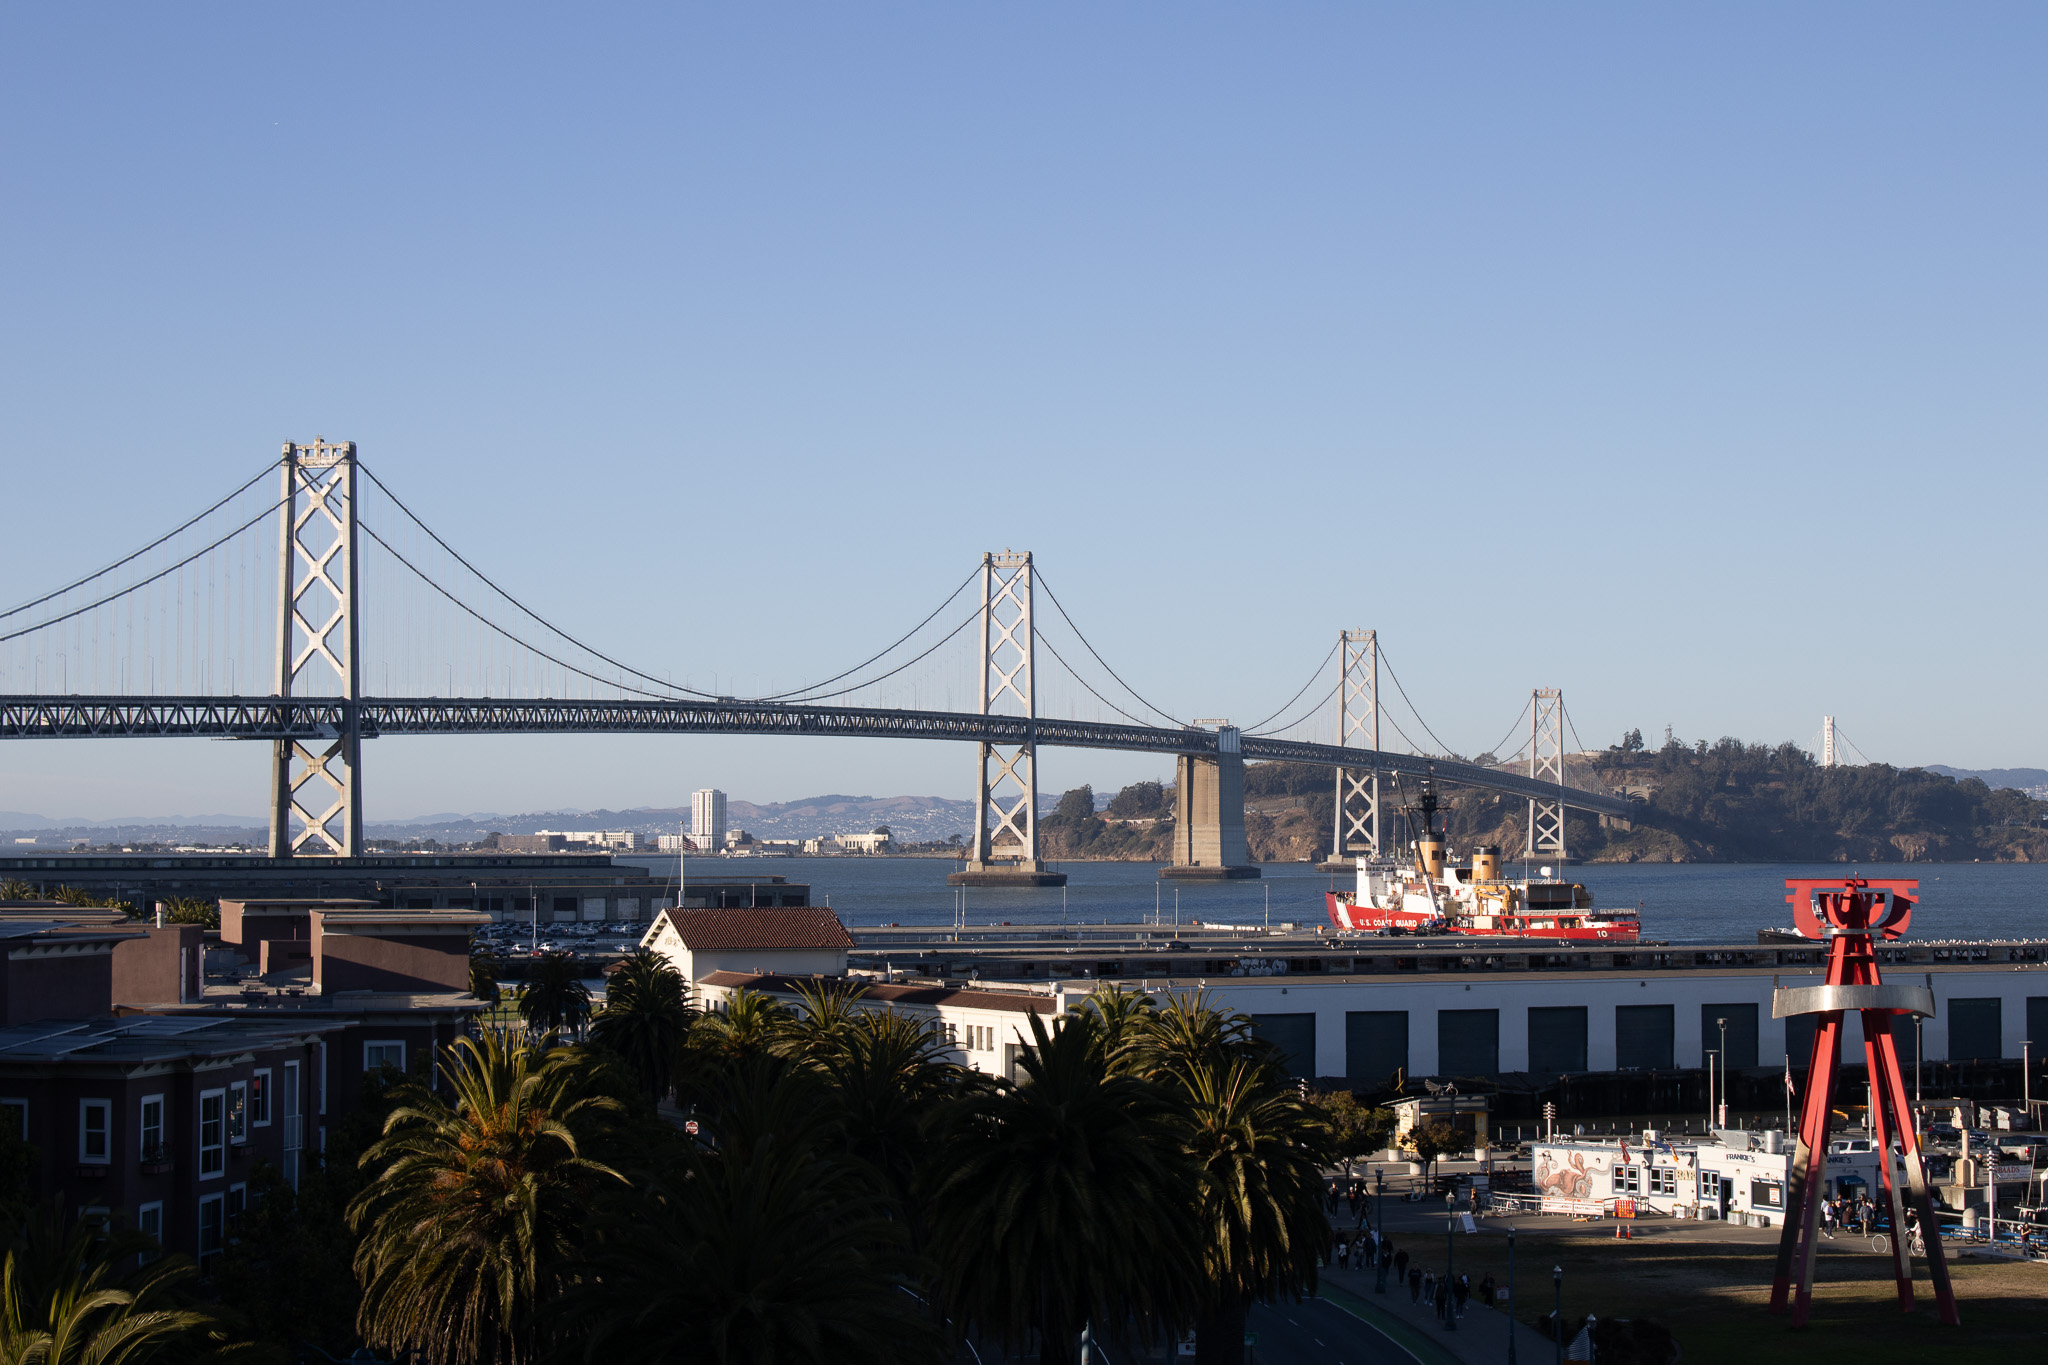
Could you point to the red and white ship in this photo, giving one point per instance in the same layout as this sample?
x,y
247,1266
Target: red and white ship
x,y
1428,896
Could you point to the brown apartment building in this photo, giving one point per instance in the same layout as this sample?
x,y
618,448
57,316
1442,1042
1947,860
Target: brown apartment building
x,y
148,1091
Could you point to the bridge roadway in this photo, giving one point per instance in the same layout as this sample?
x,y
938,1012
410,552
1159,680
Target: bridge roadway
x,y
310,719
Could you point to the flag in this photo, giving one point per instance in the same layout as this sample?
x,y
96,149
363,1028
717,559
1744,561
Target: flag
x,y
1788,1074
1624,1151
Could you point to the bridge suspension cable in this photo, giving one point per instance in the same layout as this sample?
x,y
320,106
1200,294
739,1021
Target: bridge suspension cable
x,y
1054,597
1260,728
117,595
1441,747
168,535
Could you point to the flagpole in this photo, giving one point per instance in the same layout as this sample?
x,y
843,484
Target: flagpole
x,y
1788,1093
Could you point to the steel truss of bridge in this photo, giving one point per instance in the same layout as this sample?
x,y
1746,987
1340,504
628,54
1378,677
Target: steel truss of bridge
x,y
314,718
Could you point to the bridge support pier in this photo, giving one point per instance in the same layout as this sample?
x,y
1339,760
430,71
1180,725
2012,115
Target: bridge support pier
x,y
1208,815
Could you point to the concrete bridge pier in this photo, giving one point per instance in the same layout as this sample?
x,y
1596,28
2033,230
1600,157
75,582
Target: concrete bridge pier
x,y
1208,815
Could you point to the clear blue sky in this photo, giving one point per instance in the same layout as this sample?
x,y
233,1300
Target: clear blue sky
x,y
1687,358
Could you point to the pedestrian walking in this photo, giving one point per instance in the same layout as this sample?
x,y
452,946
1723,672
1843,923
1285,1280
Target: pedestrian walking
x,y
1460,1292
1486,1290
1400,1262
1429,1287
1414,1283
1343,1254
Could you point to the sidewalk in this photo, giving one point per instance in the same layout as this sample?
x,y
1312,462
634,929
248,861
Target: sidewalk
x,y
1481,1338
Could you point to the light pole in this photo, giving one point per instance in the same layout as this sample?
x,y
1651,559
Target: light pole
x,y
1557,1311
1918,1051
1450,1260
1710,1089
1724,1071
1379,1205
1511,1296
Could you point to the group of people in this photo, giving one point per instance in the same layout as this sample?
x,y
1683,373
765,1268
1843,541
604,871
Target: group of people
x,y
1351,1195
1447,1297
1854,1210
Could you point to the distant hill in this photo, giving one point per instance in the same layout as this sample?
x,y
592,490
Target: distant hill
x,y
2032,781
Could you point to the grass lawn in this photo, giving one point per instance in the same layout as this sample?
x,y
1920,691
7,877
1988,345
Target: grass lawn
x,y
1713,1294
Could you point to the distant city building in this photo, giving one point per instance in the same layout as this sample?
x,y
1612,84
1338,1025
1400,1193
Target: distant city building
x,y
682,843
618,840
707,818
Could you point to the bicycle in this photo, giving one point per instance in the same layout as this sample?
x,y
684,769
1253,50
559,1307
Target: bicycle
x,y
1882,1244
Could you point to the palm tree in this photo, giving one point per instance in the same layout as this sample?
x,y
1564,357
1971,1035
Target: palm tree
x,y
554,996
764,1246
1189,1032
750,1024
476,1208
1260,1150
1126,1018
483,974
1064,1201
646,1018
888,1085
71,1294
830,1013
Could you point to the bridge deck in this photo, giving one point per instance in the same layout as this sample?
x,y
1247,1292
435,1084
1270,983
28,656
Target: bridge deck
x,y
317,718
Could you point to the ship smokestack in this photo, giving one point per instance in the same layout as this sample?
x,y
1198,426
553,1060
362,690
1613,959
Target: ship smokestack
x,y
1486,863
1429,852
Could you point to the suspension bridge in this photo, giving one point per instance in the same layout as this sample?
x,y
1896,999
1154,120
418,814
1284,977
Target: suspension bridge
x,y
335,583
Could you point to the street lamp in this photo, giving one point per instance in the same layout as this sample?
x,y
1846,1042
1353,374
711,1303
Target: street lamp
x,y
1724,1071
1710,1088
1511,1296
1379,1204
1450,1259
1557,1312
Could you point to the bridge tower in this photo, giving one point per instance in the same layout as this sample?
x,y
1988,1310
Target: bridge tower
x,y
1355,832
1007,793
1827,741
1546,764
317,652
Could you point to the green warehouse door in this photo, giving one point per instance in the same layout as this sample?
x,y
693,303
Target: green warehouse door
x,y
1644,1037
1375,1047
1557,1039
1974,1029
1295,1037
1468,1043
1741,1033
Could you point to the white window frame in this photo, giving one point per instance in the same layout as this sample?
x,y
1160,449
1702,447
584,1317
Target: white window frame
x,y
320,1073
146,1147
238,1113
208,1255
20,1107
217,1151
145,1214
294,1120
105,1110
237,1205
398,1043
259,1098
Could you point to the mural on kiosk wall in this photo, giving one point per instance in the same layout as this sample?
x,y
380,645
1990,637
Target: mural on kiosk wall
x,y
1575,1177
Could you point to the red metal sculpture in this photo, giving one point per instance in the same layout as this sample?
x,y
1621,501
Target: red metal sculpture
x,y
1850,914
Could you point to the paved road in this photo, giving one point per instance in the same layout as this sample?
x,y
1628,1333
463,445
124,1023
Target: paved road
x,y
1317,1332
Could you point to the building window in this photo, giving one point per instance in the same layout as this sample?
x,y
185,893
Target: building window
x,y
1663,1179
377,1056
212,1211
95,1131
238,1201
1710,1187
294,1123
1766,1194
213,1122
259,1100
153,1128
1627,1179
238,1112
14,1117
149,1221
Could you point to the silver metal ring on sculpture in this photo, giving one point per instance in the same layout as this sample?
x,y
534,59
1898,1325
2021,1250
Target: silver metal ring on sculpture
x,y
1792,1000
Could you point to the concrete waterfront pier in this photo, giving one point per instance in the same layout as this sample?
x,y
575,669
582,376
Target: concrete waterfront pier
x,y
1208,815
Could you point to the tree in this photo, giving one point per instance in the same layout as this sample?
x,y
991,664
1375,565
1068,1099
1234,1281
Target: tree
x,y
192,910
1356,1129
1436,1139
1076,807
71,1293
884,831
1259,1150
554,996
762,1244
646,1019
1139,800
483,974
1063,1201
477,1208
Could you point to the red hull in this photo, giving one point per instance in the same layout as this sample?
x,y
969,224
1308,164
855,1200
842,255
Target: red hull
x,y
1349,916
